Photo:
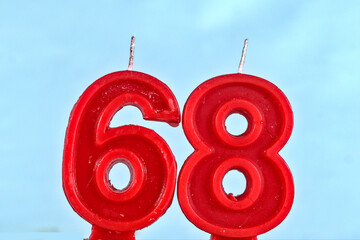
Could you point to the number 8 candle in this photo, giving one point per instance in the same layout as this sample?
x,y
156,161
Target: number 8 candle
x,y
269,192
92,148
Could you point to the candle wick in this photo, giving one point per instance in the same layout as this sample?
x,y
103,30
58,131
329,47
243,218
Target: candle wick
x,y
242,60
132,48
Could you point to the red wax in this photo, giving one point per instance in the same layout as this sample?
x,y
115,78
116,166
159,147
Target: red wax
x,y
269,185
92,148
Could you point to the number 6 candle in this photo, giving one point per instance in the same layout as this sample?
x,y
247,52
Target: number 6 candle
x,y
269,191
92,148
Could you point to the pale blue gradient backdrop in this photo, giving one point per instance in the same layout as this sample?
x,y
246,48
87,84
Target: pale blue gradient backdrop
x,y
50,52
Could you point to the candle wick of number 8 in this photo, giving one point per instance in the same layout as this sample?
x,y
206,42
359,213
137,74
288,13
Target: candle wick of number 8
x,y
132,48
242,60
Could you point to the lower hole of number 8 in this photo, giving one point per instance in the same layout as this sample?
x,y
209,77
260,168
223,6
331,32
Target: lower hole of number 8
x,y
234,183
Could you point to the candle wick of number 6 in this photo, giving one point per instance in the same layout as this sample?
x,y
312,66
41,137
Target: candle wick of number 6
x,y
132,49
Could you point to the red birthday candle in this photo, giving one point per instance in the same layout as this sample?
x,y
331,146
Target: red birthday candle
x,y
269,192
92,147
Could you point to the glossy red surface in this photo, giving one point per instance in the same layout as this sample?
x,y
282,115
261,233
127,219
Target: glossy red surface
x,y
269,189
92,148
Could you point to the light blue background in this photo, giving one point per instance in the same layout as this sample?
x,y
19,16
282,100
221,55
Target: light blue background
x,y
50,52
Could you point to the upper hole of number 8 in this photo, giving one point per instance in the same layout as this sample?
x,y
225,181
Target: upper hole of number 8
x,y
236,124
